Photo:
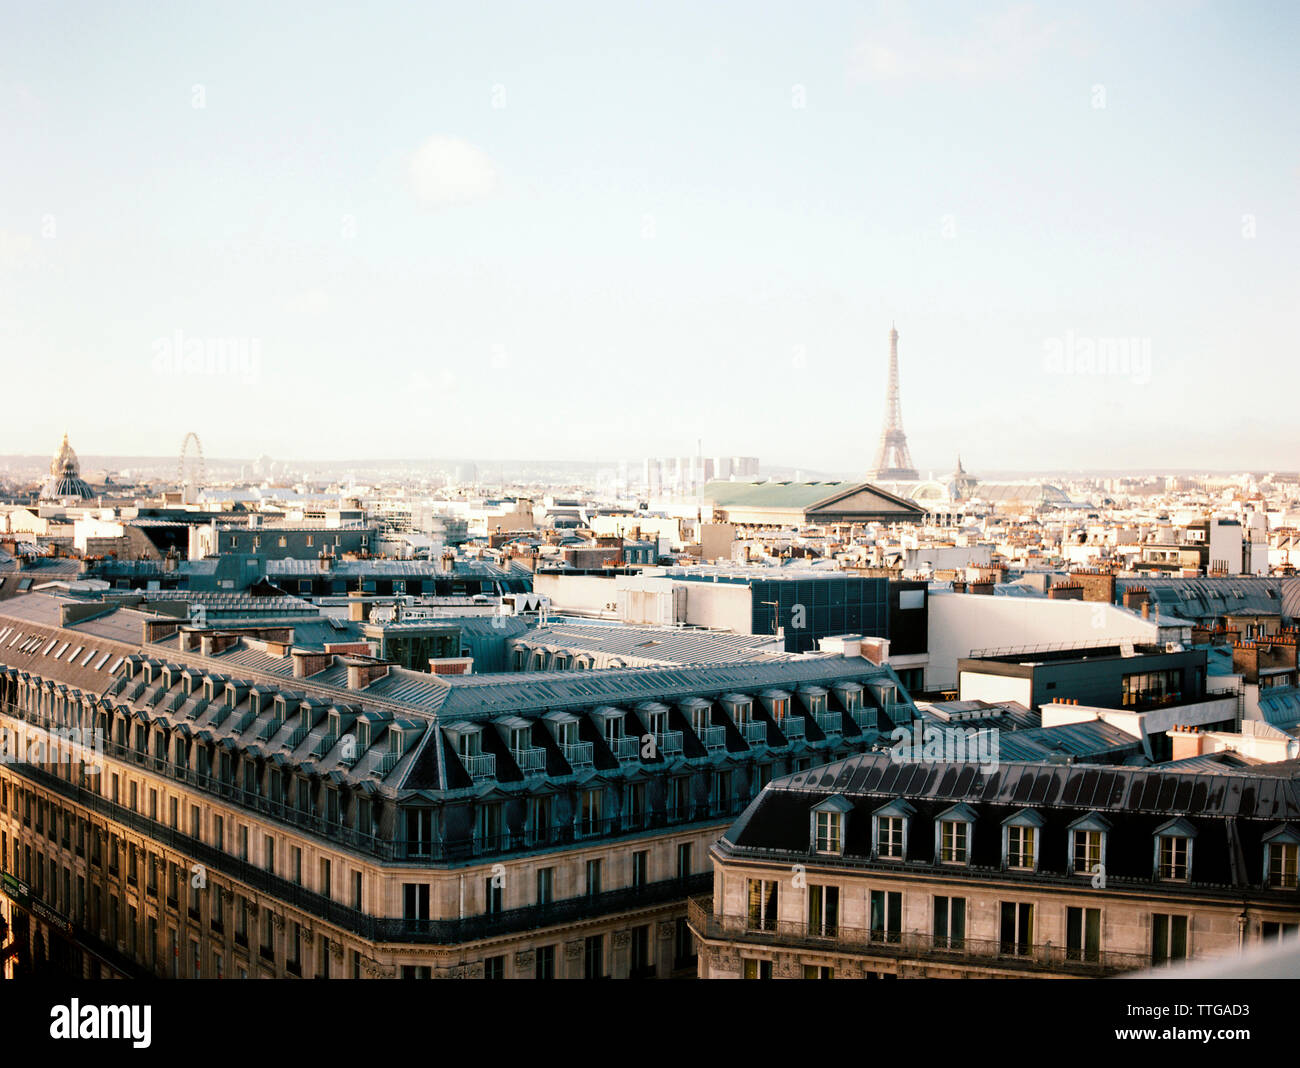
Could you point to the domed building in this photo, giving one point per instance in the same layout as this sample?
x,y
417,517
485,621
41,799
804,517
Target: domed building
x,y
65,481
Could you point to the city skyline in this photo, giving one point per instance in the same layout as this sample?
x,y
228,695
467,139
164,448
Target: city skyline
x,y
1068,223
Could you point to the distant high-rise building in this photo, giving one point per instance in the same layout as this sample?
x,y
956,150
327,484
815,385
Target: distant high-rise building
x,y
893,460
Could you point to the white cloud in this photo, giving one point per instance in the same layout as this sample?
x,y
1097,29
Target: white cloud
x,y
447,170
995,46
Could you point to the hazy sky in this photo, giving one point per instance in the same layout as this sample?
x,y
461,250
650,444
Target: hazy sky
x,y
590,231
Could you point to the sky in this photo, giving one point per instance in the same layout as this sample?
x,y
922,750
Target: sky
x,y
606,231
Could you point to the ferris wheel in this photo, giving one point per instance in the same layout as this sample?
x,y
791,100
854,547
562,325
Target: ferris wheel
x,y
190,468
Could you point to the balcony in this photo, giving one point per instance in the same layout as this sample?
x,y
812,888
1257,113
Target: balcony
x,y
577,754
830,722
755,733
531,761
478,765
911,946
792,727
668,743
626,747
712,738
866,719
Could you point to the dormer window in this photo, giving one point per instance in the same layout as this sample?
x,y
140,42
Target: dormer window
x,y
1174,850
953,835
1020,837
1088,844
1281,854
890,830
829,819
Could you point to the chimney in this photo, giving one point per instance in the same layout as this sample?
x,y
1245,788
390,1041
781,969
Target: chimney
x,y
358,607
1066,591
308,662
361,673
1135,597
326,561
1146,609
447,562
984,587
210,644
1188,742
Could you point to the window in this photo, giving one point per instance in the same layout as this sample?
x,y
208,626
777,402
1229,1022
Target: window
x,y
1174,856
492,891
683,860
1086,845
494,968
814,971
889,841
949,922
823,911
415,901
1281,852
640,966
268,853
1271,930
545,885
356,890
1017,927
757,969
891,830
326,878
1020,840
829,832
886,915
545,962
762,904
1083,934
590,811
640,866
1020,847
954,841
593,877
1168,938
593,957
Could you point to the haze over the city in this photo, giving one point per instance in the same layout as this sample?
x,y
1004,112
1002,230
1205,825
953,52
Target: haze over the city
x,y
564,232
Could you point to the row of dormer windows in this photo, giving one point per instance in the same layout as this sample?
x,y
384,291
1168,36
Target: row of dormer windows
x,y
1022,838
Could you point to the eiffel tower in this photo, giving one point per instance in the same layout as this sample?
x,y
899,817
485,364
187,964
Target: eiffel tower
x,y
893,461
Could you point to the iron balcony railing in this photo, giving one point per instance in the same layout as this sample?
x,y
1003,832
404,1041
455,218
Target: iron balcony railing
x,y
756,733
830,722
531,761
911,945
668,743
792,726
626,747
866,719
578,754
479,765
712,737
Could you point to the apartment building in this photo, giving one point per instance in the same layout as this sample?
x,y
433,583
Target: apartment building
x,y
207,804
872,868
